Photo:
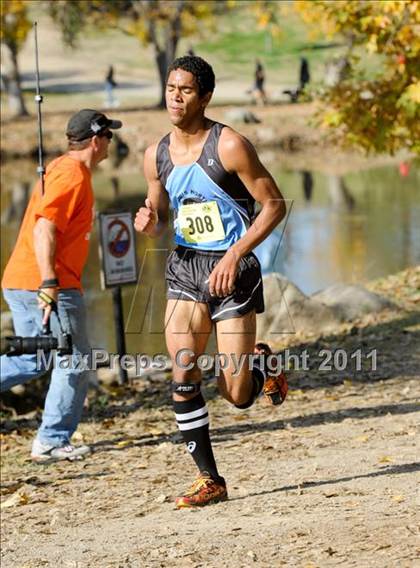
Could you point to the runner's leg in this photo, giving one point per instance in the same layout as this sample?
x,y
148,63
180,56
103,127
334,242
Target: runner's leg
x,y
188,326
236,339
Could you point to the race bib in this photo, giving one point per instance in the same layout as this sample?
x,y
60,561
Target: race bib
x,y
200,222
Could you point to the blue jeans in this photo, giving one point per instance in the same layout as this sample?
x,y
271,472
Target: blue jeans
x,y
68,386
109,94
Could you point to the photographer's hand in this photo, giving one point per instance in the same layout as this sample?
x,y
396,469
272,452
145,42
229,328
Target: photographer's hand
x,y
46,305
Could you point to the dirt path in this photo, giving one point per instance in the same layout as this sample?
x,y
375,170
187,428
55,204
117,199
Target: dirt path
x,y
326,480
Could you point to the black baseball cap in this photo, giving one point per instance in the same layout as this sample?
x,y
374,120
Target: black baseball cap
x,y
87,123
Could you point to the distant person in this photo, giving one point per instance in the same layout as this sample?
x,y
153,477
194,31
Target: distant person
x,y
259,80
191,51
45,271
110,85
304,79
304,74
307,184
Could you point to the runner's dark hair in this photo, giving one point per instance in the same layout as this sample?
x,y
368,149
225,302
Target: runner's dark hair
x,y
201,70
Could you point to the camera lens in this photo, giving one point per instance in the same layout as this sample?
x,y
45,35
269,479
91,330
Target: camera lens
x,y
30,345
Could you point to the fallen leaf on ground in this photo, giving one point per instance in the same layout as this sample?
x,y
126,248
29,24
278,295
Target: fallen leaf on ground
x,y
154,431
124,443
332,397
78,437
18,498
296,393
385,459
398,498
362,439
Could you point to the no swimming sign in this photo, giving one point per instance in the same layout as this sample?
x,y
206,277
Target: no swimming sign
x,y
117,249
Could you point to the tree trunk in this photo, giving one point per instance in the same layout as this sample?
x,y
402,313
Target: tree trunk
x,y
13,85
162,66
164,57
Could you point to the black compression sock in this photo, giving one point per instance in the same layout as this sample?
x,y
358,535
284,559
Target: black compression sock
x,y
193,421
258,378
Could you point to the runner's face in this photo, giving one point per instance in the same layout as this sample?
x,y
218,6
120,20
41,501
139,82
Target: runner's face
x,y
182,99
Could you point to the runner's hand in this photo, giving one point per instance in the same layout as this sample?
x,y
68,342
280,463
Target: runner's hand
x,y
146,219
52,293
222,279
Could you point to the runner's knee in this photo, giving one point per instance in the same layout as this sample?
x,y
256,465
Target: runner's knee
x,y
185,390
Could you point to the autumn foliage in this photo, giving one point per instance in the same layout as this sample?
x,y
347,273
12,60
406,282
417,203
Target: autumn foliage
x,y
376,110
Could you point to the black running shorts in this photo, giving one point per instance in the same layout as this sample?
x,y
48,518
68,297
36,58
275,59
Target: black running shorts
x,y
187,274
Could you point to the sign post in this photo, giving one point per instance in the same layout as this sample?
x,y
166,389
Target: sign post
x,y
119,266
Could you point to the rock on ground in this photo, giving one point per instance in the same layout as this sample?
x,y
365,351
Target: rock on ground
x,y
353,300
289,311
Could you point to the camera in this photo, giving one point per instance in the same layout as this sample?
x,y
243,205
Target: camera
x,y
46,342
31,345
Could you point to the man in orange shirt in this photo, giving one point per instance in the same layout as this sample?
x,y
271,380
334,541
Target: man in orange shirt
x,y
49,256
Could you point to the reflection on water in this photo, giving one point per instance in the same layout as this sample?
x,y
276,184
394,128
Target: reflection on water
x,y
339,229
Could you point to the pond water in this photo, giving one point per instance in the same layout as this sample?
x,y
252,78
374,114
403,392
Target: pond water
x,y
339,229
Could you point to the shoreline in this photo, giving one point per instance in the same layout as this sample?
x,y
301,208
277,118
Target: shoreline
x,y
282,135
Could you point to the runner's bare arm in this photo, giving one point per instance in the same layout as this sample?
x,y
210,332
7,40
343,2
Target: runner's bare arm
x,y
238,155
153,218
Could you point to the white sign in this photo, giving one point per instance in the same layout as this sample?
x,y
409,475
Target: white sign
x,y
117,249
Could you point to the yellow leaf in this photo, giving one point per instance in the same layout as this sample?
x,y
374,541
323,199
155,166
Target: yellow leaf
x,y
372,45
124,443
16,499
361,439
155,431
413,92
398,498
331,397
385,459
78,437
296,393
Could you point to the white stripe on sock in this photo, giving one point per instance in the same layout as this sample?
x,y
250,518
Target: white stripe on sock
x,y
192,414
192,425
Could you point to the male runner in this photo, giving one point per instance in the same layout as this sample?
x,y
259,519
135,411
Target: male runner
x,y
211,176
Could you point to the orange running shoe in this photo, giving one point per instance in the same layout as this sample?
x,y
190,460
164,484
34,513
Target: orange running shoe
x,y
275,387
204,491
